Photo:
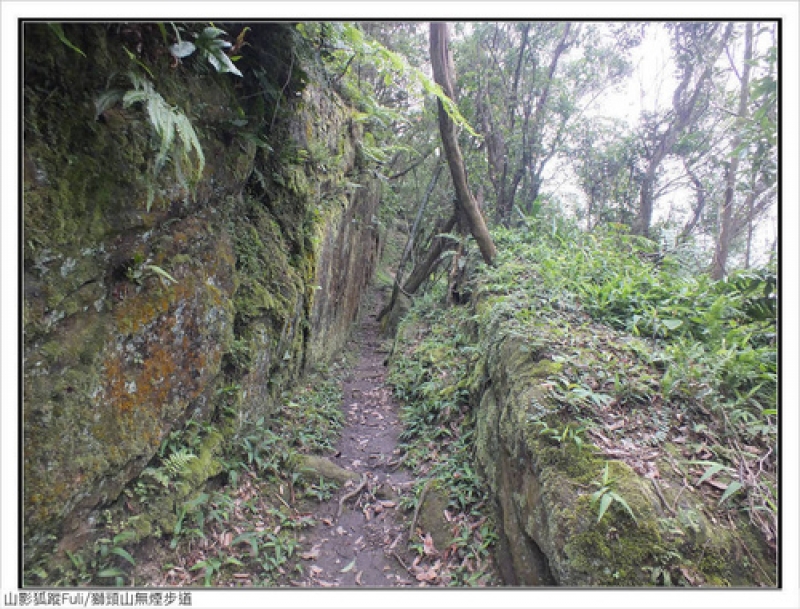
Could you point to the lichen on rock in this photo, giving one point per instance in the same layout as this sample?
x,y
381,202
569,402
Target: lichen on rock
x,y
152,304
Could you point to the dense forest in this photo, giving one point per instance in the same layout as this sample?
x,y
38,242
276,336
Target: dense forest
x,y
539,257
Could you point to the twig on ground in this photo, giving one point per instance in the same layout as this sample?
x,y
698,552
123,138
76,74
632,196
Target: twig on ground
x,y
351,494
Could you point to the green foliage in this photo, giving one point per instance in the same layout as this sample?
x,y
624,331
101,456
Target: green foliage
x,y
348,45
606,495
430,376
177,138
58,30
569,433
106,562
139,270
721,334
210,46
705,349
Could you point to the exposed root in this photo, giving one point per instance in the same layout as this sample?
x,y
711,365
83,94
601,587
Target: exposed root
x,y
351,494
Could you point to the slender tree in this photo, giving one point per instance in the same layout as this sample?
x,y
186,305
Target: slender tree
x,y
466,205
697,47
732,166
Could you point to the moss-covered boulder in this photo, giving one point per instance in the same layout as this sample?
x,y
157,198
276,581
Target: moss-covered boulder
x,y
577,503
154,299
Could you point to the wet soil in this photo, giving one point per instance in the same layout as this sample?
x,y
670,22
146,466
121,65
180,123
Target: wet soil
x,y
361,538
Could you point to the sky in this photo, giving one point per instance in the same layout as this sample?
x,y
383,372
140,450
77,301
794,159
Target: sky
x,y
650,89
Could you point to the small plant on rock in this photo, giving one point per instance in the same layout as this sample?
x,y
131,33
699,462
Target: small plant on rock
x,y
606,494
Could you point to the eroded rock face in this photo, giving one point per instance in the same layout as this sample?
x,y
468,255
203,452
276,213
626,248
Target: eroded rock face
x,y
137,321
542,480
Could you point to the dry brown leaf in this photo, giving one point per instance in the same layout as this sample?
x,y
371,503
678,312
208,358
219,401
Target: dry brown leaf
x,y
358,577
429,574
427,546
388,504
325,584
311,554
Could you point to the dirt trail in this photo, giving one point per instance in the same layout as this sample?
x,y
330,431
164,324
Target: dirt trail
x,y
367,544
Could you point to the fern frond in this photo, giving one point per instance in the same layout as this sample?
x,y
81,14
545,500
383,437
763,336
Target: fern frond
x,y
188,137
106,100
168,122
178,462
157,475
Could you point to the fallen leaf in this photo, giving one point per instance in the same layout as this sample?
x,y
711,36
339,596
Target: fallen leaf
x,y
358,577
349,566
311,554
427,576
327,521
388,504
325,584
428,547
315,570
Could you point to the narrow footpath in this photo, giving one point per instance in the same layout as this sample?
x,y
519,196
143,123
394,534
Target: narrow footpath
x,y
362,535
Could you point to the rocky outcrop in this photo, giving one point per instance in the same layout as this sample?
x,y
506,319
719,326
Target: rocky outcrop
x,y
151,300
546,470
595,478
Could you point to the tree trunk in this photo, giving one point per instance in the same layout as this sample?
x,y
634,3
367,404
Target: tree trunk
x,y
725,235
443,73
700,193
398,278
686,110
423,269
532,124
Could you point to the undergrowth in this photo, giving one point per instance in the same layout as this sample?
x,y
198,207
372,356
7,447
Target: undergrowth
x,y
428,374
700,357
634,350
243,527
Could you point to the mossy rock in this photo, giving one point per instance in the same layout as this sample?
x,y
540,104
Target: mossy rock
x,y
431,517
314,467
542,474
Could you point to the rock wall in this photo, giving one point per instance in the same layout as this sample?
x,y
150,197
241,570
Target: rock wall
x,y
151,299
542,470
